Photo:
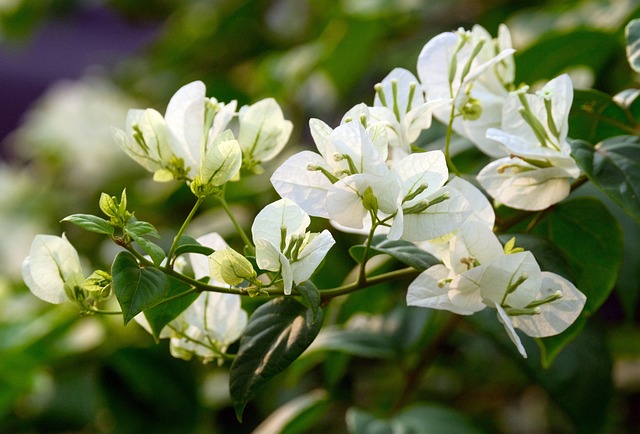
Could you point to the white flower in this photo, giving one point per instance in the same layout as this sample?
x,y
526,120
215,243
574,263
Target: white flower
x,y
356,189
190,142
52,270
539,170
400,106
263,132
477,273
284,246
473,72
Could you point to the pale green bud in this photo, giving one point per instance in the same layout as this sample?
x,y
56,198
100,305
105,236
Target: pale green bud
x,y
369,200
116,211
472,110
231,267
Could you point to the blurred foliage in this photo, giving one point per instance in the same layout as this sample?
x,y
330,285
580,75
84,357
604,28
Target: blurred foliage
x,y
62,373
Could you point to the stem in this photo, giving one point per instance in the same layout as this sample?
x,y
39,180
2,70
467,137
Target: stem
x,y
186,222
362,275
102,312
405,273
239,230
447,146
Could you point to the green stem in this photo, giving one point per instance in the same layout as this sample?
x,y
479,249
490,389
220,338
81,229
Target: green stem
x,y
186,222
447,146
405,273
362,275
239,230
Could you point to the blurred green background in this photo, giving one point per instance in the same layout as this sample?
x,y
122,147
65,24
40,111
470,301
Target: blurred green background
x,y
70,69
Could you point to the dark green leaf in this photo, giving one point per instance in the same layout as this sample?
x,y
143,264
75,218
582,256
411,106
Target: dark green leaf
x,y
583,367
591,239
147,391
595,116
418,419
547,254
556,52
310,296
156,252
404,251
91,223
136,288
194,248
362,343
162,314
632,34
277,333
613,165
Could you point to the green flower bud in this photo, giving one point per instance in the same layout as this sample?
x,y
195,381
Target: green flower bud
x,y
231,267
472,110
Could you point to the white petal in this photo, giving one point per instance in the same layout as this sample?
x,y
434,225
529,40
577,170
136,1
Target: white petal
x,y
311,256
429,290
506,322
464,290
321,132
222,160
439,219
52,261
263,130
185,119
556,316
219,316
200,263
474,242
344,203
426,168
505,271
281,213
522,186
307,188
481,209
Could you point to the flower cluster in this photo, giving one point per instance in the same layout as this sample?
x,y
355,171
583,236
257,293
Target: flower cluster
x,y
195,139
367,176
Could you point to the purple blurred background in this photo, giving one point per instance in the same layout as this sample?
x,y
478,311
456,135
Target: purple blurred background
x,y
62,48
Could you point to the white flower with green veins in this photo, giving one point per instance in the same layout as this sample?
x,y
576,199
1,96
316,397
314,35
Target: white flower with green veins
x,y
283,245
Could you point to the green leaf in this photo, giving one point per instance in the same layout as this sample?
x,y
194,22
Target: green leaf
x,y
418,419
591,239
579,381
596,116
547,254
613,166
277,333
556,52
91,223
404,251
136,288
140,228
152,249
162,314
194,248
299,415
310,296
632,34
